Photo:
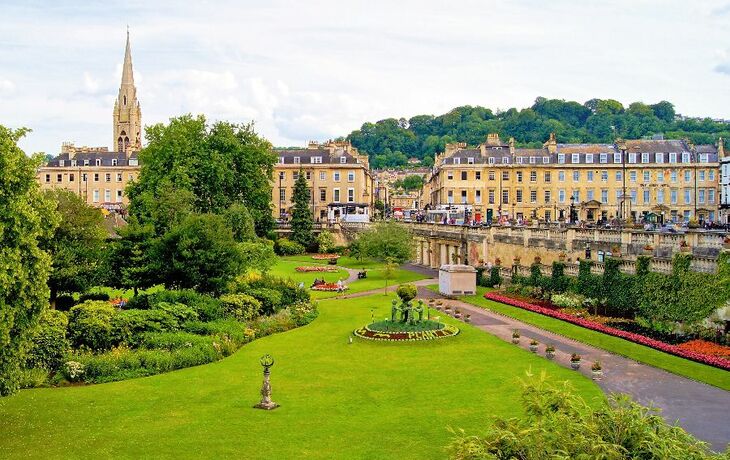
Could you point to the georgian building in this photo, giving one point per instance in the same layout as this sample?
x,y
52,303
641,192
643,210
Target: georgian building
x,y
660,180
96,174
339,180
725,190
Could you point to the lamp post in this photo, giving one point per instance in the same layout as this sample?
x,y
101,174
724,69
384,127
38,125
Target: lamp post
x,y
266,403
571,217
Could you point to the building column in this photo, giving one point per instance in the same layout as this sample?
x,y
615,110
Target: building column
x,y
443,254
419,253
427,254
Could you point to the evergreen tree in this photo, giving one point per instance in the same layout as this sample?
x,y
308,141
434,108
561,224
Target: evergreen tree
x,y
301,220
26,218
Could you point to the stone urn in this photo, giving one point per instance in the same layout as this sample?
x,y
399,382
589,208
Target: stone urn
x,y
550,352
596,371
467,318
575,361
533,346
516,337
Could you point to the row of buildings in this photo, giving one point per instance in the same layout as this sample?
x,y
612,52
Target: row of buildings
x,y
661,180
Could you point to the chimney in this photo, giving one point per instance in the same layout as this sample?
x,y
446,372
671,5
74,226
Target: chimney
x,y
720,148
551,145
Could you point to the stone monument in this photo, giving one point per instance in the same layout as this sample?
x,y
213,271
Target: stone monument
x,y
266,403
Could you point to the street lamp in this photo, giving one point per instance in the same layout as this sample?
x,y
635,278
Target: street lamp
x,y
571,217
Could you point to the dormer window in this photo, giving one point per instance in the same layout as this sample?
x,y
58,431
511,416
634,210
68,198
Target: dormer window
x,y
297,160
561,158
61,163
86,162
114,161
491,160
520,160
589,158
343,159
533,160
545,160
281,160
98,162
457,161
470,160
73,162
505,160
316,160
133,162
575,158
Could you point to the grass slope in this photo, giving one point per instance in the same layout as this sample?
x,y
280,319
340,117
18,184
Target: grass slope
x,y
708,374
367,400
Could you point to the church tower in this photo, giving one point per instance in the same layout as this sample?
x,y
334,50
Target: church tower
x,y
127,113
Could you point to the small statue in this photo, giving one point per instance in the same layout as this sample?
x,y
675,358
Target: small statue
x,y
393,310
420,311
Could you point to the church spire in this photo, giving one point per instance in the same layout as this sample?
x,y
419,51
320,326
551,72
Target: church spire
x,y
127,115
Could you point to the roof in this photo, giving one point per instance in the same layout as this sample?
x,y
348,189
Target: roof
x,y
80,158
306,155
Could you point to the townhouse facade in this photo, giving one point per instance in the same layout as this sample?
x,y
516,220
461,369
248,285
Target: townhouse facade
x,y
636,180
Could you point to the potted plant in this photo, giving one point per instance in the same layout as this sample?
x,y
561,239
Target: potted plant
x,y
616,250
575,361
596,370
516,336
467,318
497,261
538,259
516,260
447,309
533,345
561,257
457,314
683,246
550,352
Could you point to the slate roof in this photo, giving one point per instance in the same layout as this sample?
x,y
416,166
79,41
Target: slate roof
x,y
306,155
105,157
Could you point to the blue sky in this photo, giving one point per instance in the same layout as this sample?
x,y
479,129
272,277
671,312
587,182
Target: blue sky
x,y
319,69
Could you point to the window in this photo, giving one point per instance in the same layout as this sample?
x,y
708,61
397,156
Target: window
x,y
604,176
660,176
687,196
533,196
701,196
633,196
644,157
518,195
520,160
477,175
672,157
589,194
336,176
617,158
107,195
295,175
646,196
660,196
131,177
704,158
71,177
673,196
533,176
491,160
308,175
505,196
505,160
478,196
547,196
96,177
711,175
457,161
316,160
547,176
604,196
619,175
98,162
576,195
505,175
687,175
282,194
470,160
119,177
632,157
686,216
463,175
114,161
282,175
336,195
96,196
108,177
297,160
343,159
589,176
685,157
61,163
647,176
561,176
450,197
450,175
281,160
632,176
533,160
589,158
545,160
659,157
518,176
322,175
711,196
561,158
323,194
491,197
73,162
576,176
59,177
463,197
575,158
48,178
603,158
84,177
351,176
119,196
490,174
701,175
561,195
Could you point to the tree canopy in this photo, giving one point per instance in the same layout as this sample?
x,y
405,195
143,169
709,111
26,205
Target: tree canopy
x,y
390,142
301,216
387,241
27,217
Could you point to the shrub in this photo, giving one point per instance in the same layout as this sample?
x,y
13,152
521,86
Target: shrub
x,y
267,325
223,327
90,325
208,308
49,343
173,340
270,299
65,302
285,247
180,312
93,295
567,300
243,307
325,241
129,324
34,377
407,292
139,302
303,313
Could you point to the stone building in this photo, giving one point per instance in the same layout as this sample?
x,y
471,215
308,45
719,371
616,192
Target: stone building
x,y
337,173
725,190
96,174
658,180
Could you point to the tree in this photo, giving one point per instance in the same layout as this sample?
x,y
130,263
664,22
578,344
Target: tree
x,y
199,253
325,241
76,246
301,216
217,165
241,222
387,241
131,264
388,273
26,218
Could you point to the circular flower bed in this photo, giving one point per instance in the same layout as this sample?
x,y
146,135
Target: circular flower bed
x,y
329,287
317,268
325,256
374,332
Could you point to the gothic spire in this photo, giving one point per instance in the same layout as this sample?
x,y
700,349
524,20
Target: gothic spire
x,y
127,74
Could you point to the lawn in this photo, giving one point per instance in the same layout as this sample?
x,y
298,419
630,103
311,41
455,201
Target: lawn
x,y
366,400
286,268
708,374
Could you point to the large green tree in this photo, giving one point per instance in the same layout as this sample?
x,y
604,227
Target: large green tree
x,y
131,262
217,165
387,241
26,218
301,216
76,246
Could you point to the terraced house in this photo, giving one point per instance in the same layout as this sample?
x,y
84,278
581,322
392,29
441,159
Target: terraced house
x,y
339,181
657,180
96,174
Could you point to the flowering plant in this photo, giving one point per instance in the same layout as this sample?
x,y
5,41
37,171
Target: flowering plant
x,y
516,334
329,287
574,358
715,361
596,366
325,256
317,268
74,370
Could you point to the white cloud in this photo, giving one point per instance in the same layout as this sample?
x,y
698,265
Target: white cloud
x,y
6,86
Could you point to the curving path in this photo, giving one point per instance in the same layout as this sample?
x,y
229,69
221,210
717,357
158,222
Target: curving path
x,y
699,408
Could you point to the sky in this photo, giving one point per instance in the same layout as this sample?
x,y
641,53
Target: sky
x,y
315,70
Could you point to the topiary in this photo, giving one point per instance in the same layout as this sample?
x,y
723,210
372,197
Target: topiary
x,y
407,292
93,295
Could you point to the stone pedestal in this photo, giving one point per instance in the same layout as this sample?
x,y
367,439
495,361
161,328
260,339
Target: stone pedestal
x,y
457,279
266,402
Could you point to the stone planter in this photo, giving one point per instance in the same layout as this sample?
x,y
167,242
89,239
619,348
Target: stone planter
x,y
597,375
533,348
575,365
467,319
515,340
550,355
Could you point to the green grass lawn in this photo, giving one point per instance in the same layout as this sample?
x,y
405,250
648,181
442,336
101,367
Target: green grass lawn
x,y
343,261
366,400
708,374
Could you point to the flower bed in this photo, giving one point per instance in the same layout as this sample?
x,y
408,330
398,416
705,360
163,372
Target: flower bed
x,y
325,256
329,287
366,333
317,268
706,348
636,338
